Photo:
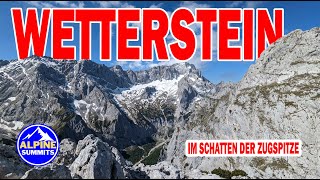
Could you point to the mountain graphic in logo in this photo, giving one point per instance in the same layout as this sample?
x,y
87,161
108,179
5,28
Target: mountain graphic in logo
x,y
44,136
37,145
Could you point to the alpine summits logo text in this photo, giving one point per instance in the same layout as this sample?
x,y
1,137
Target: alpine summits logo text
x,y
37,145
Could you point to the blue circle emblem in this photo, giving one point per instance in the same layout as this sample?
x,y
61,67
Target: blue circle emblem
x,y
37,145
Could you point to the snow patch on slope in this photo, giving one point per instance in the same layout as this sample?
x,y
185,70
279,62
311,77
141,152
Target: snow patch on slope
x,y
12,98
161,86
13,125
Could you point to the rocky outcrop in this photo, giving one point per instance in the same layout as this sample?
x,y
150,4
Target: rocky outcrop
x,y
95,160
51,171
11,166
3,63
162,73
162,170
187,94
66,153
91,158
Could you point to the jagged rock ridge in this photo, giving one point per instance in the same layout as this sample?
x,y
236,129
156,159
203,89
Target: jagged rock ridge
x,y
278,98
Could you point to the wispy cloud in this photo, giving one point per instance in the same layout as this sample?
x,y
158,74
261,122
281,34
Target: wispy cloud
x,y
77,5
193,5
40,4
253,4
62,3
159,5
244,4
234,4
114,4
55,4
135,65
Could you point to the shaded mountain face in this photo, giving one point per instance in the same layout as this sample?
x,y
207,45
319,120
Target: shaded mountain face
x,y
3,63
81,98
278,98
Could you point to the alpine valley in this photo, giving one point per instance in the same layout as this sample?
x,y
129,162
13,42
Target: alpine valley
x,y
114,123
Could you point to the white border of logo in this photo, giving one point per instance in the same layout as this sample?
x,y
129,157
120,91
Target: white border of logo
x,y
45,126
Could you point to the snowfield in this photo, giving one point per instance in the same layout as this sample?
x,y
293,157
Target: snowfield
x,y
162,86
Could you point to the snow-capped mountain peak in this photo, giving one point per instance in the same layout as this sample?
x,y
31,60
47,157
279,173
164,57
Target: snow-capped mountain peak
x,y
44,136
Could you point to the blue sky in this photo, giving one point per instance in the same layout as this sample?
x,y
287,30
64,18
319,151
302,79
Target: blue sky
x,y
297,15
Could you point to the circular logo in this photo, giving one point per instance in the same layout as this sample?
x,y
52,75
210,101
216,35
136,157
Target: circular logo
x,y
37,145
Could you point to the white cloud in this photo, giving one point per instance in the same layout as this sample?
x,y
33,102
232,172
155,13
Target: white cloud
x,y
108,4
40,4
77,5
253,4
134,65
55,4
193,5
244,4
114,4
62,3
234,4
156,5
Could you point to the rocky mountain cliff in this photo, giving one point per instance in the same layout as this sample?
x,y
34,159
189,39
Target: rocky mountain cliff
x,y
133,124
278,98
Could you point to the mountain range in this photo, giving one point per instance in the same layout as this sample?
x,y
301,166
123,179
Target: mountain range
x,y
117,123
